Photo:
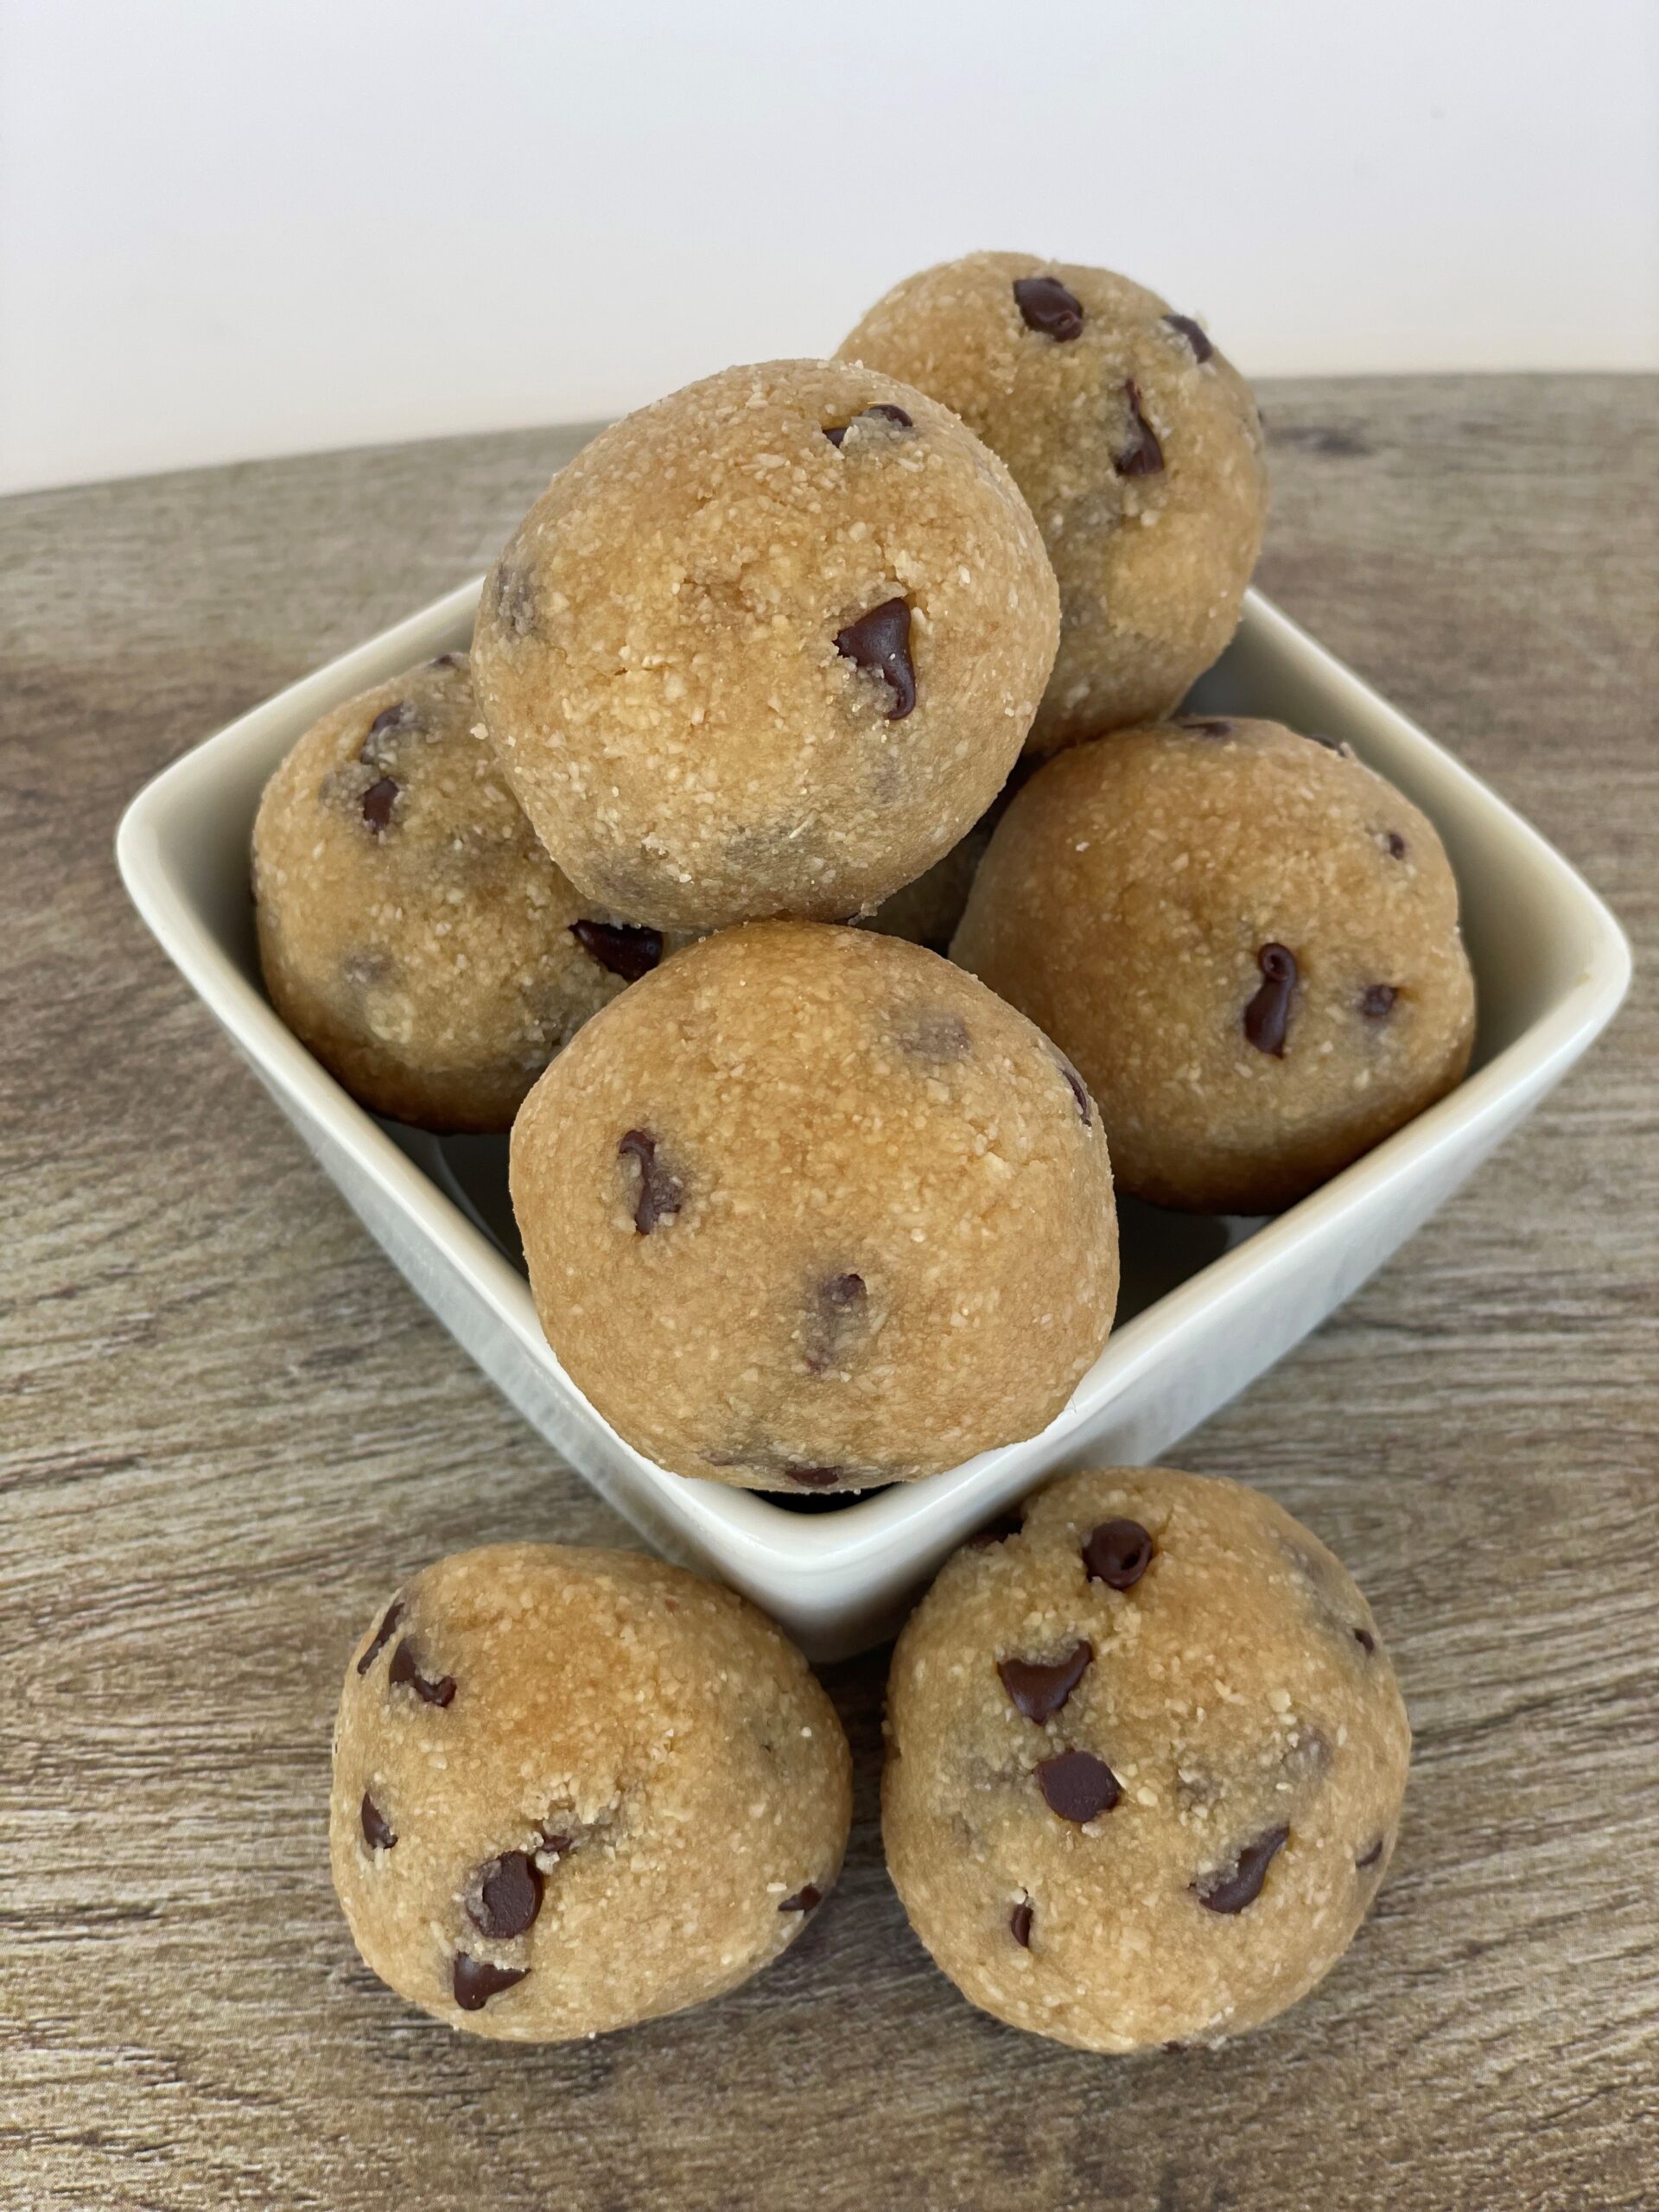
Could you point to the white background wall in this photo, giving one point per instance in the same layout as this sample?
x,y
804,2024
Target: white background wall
x,y
232,227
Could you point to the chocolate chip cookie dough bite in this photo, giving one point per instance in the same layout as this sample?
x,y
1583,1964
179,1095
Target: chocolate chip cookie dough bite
x,y
1146,1756
768,647
1246,941
574,1789
1134,439
809,1210
413,933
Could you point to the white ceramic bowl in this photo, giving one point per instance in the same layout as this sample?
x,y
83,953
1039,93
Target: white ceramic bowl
x,y
1206,1305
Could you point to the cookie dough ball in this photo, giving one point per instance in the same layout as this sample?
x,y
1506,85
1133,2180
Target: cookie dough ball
x,y
1135,442
1247,942
574,1789
768,647
414,934
812,1210
1145,1762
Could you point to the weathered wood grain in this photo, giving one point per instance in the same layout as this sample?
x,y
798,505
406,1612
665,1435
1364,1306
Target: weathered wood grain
x,y
228,1429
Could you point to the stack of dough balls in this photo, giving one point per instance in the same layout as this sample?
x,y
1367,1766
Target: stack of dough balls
x,y
575,1789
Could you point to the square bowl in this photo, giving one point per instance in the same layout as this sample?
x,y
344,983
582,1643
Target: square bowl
x,y
1207,1305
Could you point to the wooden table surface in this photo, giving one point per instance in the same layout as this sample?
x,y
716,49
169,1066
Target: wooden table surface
x,y
229,1429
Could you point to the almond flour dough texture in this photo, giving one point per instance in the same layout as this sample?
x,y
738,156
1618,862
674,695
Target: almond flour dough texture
x,y
1145,1762
810,1209
574,1789
768,647
414,934
1136,443
1246,941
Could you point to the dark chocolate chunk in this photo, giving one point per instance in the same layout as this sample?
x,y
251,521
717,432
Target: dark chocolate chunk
x,y
1020,1925
997,1532
1234,1887
660,1194
1047,308
1078,1786
884,408
1376,1000
475,1981
1039,1690
509,1896
376,1829
879,641
837,1317
804,1900
1394,845
378,802
1267,1018
1195,338
512,593
1118,1553
1142,456
621,947
1365,1640
1074,1085
382,1636
405,1674
557,1841
1372,1857
1205,726
928,1032
380,742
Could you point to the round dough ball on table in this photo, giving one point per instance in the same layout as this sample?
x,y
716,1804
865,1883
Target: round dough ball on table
x,y
413,933
810,1209
1136,443
1145,1762
768,647
1248,942
574,1789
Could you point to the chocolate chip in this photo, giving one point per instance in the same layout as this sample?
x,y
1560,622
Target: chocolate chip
x,y
405,1674
1365,1640
996,1532
660,1194
1376,1000
623,949
1319,737
1394,845
475,1981
509,1896
884,409
378,803
928,1032
879,641
1372,1857
813,1477
1038,1690
1118,1553
1195,338
1019,1926
838,1313
382,1636
1078,1786
1047,308
1205,726
806,1900
387,726
1239,1885
556,1842
376,1829
1267,1017
512,596
1142,456
445,660
1074,1085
